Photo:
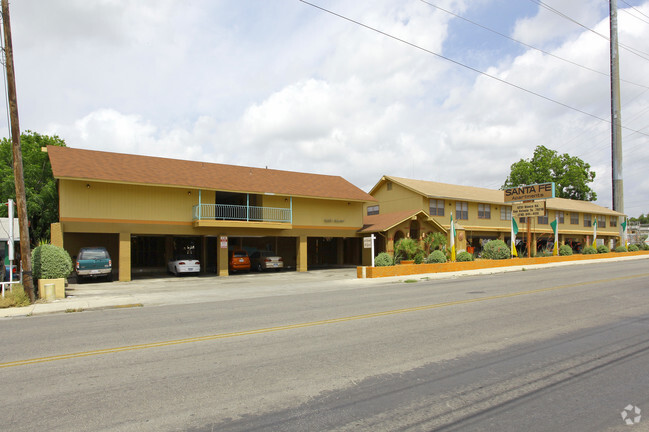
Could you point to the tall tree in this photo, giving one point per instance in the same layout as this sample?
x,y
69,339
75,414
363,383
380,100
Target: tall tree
x,y
570,174
40,187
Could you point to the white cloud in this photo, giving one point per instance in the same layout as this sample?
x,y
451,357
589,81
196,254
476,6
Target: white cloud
x,y
283,85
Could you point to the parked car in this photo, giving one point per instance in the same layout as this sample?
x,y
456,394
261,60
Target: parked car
x,y
239,261
93,262
181,264
10,269
266,260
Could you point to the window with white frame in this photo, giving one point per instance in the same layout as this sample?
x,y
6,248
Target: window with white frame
x,y
613,221
574,218
559,216
484,211
587,220
436,207
462,210
601,221
372,210
505,213
542,220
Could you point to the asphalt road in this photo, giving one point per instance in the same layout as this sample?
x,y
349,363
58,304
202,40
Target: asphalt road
x,y
563,349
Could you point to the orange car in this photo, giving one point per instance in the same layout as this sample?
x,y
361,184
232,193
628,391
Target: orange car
x,y
238,261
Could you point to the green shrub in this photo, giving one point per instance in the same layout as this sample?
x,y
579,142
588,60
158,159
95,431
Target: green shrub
x,y
15,298
496,249
436,256
464,257
620,249
434,241
50,262
565,250
643,246
603,249
589,250
383,259
419,257
633,248
406,248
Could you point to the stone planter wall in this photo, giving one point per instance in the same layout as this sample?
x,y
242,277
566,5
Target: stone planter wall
x,y
412,269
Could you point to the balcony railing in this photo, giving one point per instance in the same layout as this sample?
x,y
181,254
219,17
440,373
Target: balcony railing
x,y
241,213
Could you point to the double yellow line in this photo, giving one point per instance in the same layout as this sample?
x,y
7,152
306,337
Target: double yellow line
x,y
306,324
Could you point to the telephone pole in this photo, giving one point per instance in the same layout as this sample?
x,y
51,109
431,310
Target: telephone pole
x,y
616,118
21,206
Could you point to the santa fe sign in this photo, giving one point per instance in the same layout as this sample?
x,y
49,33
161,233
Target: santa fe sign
x,y
530,192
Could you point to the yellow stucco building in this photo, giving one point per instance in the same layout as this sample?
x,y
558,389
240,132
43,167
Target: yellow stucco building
x,y
146,209
414,208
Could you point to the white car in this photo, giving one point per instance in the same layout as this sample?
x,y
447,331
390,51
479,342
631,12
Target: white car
x,y
183,264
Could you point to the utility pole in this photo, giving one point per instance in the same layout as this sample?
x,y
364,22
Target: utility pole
x,y
21,206
616,118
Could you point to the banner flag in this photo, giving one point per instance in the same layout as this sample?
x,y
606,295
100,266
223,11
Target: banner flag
x,y
514,232
452,238
626,241
555,224
595,233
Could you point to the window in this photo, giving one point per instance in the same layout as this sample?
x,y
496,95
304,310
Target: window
x,y
601,221
484,211
372,210
542,220
522,220
587,221
505,213
613,221
389,185
559,216
436,207
574,218
462,210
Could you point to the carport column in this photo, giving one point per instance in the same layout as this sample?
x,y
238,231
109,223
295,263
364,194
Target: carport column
x,y
222,256
340,253
124,256
301,254
56,234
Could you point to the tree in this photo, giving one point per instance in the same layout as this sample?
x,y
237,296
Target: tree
x,y
570,174
40,187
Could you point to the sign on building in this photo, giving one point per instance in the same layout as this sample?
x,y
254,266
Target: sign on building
x,y
530,192
528,209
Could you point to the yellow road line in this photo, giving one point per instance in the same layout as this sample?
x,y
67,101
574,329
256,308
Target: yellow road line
x,y
306,324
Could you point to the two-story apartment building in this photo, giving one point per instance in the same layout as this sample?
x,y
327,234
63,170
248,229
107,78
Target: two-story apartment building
x,y
146,209
413,208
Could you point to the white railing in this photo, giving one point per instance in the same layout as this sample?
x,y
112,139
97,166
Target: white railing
x,y
241,213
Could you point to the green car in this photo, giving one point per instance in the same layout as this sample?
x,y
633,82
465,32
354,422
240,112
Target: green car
x,y
92,263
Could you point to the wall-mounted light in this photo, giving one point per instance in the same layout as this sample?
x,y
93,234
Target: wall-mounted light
x,y
189,192
87,185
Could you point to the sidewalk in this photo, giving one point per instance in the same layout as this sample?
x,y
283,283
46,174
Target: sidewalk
x,y
196,289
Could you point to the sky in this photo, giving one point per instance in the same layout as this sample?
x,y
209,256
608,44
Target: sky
x,y
453,91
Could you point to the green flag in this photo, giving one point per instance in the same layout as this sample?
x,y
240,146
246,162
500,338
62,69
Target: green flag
x,y
553,224
514,226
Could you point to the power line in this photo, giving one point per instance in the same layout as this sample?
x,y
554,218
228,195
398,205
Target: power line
x,y
411,44
637,10
525,44
632,50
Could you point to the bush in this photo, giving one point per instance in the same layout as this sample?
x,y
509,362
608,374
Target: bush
x,y
464,257
383,259
633,248
544,253
436,256
15,298
406,248
496,249
643,246
620,249
603,249
565,250
50,262
419,257
589,250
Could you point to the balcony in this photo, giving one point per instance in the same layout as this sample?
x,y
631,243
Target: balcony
x,y
233,215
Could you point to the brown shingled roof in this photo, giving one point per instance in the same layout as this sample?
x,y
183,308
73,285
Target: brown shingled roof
x,y
70,163
385,221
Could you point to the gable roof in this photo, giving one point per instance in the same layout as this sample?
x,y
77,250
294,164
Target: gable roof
x,y
432,189
385,221
79,164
